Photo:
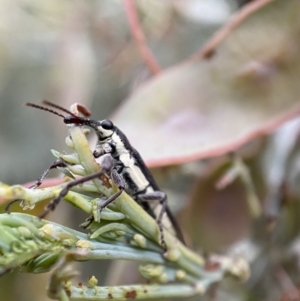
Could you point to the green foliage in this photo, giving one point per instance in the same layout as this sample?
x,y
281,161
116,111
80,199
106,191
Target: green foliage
x,y
122,231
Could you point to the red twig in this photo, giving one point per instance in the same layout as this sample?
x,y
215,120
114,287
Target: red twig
x,y
287,284
235,21
139,37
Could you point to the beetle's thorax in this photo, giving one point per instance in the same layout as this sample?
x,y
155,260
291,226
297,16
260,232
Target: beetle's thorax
x,y
125,162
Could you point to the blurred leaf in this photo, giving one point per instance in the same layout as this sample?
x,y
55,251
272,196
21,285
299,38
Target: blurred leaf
x,y
213,219
207,107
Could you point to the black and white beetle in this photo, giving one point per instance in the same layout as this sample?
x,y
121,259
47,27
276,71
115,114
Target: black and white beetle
x,y
128,170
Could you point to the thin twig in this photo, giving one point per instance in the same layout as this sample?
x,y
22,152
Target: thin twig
x,y
239,168
139,37
287,284
209,48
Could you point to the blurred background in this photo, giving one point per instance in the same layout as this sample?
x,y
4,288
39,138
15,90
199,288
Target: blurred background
x,y
84,51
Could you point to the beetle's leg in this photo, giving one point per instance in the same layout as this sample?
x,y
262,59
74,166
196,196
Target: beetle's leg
x,y
160,197
106,166
39,181
120,183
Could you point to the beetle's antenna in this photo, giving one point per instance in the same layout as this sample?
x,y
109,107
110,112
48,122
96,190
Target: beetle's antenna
x,y
51,104
81,108
33,105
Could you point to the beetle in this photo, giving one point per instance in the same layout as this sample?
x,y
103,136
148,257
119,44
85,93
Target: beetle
x,y
122,162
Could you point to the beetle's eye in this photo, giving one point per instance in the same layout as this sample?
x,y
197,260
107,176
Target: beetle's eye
x,y
107,124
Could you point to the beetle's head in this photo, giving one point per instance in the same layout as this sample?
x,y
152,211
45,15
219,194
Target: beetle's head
x,y
104,128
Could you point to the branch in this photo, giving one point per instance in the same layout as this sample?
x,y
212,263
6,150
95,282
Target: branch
x,y
125,231
209,48
139,37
